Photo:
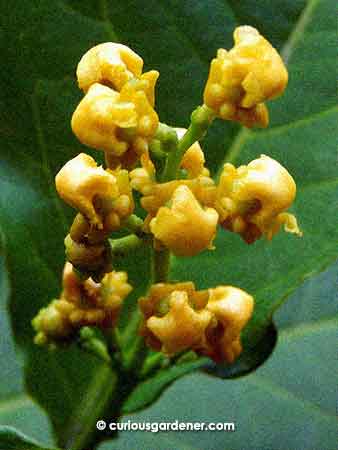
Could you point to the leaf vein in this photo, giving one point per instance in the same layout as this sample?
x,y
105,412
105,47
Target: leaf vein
x,y
266,384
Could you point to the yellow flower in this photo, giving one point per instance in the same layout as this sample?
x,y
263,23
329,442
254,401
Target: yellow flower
x,y
123,205
193,159
116,122
185,227
156,194
174,317
80,182
102,196
181,328
82,303
231,308
242,79
110,64
251,200
142,179
52,323
87,257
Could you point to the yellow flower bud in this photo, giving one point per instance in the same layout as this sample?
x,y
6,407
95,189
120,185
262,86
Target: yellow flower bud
x,y
193,159
185,227
156,195
181,327
153,303
241,79
116,122
80,182
114,289
177,317
110,64
251,200
123,205
82,303
86,257
232,308
51,324
142,179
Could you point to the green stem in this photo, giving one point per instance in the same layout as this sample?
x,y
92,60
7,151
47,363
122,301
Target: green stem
x,y
201,119
161,265
81,433
126,378
93,345
151,363
134,224
123,246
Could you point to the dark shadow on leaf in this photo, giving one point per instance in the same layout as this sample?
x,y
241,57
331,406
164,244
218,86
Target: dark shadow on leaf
x,y
250,359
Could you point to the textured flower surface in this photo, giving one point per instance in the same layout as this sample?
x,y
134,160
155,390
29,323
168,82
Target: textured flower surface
x,y
185,227
82,303
251,200
155,195
182,327
232,308
110,64
193,161
81,181
242,79
117,121
177,317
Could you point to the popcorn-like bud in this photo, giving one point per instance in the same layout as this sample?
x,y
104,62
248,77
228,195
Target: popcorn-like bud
x,y
103,197
81,181
178,307
124,204
52,323
153,303
88,258
182,327
110,64
232,308
185,227
156,195
251,199
117,122
142,179
82,303
193,159
177,317
241,79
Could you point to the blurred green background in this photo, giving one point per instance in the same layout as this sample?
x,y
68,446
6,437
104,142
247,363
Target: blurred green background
x,y
289,402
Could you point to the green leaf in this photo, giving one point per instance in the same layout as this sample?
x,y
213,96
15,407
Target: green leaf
x,y
16,407
288,403
149,390
300,120
11,439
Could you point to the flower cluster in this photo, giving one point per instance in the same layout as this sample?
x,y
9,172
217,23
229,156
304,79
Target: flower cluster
x,y
184,205
85,303
250,200
117,112
178,318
